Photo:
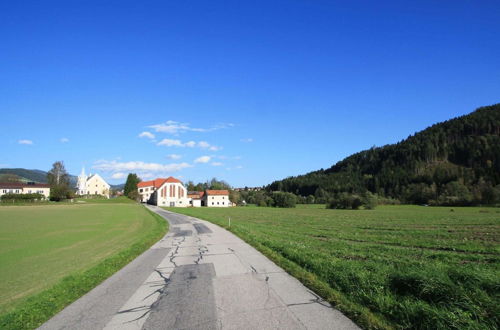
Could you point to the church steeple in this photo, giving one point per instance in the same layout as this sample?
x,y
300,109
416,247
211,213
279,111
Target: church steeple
x,y
81,184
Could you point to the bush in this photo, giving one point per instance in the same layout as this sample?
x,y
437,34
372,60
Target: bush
x,y
22,197
284,199
346,201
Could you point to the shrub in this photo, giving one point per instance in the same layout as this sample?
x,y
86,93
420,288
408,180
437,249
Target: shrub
x,y
22,197
284,199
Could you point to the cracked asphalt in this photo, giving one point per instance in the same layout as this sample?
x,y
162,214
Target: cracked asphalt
x,y
200,276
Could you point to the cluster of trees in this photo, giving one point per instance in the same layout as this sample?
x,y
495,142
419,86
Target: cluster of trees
x,y
22,197
58,179
130,188
347,201
213,184
456,162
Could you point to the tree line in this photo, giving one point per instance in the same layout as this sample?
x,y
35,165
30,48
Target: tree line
x,y
456,162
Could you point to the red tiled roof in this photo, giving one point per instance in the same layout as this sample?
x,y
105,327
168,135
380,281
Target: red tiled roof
x,y
157,183
195,194
217,192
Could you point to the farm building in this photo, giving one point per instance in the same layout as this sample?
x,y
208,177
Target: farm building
x,y
171,192
24,188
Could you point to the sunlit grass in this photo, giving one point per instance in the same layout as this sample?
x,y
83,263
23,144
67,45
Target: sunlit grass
x,y
396,266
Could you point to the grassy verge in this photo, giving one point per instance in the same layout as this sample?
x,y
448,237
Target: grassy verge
x,y
33,310
401,267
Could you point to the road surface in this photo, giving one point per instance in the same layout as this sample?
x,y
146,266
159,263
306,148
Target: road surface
x,y
200,276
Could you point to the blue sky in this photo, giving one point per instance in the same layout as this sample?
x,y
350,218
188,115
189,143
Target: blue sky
x,y
248,92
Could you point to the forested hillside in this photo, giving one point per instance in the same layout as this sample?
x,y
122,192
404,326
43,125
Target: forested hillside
x,y
22,174
456,162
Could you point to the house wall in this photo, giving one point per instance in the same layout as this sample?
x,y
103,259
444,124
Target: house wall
x,y
145,193
37,190
217,201
196,202
26,190
97,186
171,194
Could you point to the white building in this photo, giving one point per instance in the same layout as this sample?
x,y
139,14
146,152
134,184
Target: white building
x,y
24,188
92,184
147,188
164,192
216,198
172,193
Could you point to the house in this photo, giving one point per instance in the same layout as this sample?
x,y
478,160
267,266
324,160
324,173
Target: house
x,y
164,192
24,188
195,198
93,184
216,198
172,193
147,188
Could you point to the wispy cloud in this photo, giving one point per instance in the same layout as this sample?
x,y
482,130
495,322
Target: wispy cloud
x,y
217,164
174,156
64,140
175,127
114,166
189,144
119,175
247,140
146,134
27,142
203,159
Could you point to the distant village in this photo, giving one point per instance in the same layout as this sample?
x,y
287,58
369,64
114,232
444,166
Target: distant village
x,y
161,191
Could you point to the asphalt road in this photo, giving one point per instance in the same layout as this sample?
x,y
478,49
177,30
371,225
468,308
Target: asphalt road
x,y
200,276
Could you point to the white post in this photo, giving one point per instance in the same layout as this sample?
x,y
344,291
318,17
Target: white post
x,y
229,222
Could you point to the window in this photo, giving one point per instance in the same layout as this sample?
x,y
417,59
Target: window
x,y
217,203
222,197
29,191
140,190
213,197
5,191
222,203
212,203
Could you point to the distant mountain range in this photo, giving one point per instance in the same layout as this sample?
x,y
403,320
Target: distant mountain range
x,y
452,162
39,176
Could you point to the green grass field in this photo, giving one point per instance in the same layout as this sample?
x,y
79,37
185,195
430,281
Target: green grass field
x,y
394,267
40,246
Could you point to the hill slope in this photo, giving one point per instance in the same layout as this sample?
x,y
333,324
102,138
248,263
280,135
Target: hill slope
x,y
453,162
23,174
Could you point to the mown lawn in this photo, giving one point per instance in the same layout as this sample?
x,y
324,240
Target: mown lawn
x,y
394,267
40,246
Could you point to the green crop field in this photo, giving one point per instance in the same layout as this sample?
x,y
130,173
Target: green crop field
x,y
394,267
40,246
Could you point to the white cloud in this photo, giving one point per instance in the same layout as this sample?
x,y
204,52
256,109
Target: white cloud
x,y
189,144
217,164
175,127
171,143
203,144
239,167
28,142
247,140
202,159
174,156
119,175
114,166
64,140
146,134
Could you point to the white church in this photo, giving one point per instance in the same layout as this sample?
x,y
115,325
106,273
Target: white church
x,y
92,184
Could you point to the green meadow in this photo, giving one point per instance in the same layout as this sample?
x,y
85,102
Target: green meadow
x,y
52,254
395,267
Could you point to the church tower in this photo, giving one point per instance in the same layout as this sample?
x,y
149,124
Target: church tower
x,y
81,184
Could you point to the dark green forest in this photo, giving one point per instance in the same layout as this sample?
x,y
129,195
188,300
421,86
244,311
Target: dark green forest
x,y
456,162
